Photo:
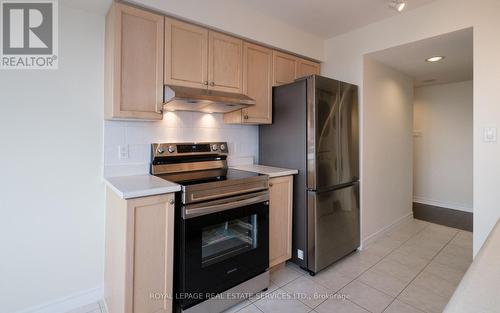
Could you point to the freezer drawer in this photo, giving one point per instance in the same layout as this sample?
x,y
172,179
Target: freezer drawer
x,y
333,225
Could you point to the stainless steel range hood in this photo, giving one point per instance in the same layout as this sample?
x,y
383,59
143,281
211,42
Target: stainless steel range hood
x,y
204,100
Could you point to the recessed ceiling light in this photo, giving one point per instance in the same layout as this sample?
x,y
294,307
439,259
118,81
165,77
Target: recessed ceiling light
x,y
398,5
435,59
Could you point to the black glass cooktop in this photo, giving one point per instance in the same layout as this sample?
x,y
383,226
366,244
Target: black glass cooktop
x,y
207,176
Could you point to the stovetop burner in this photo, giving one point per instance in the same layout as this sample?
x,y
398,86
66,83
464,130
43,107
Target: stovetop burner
x,y
207,176
201,169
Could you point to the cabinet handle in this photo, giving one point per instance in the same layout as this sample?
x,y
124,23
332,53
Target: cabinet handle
x,y
172,201
205,83
212,84
245,117
271,184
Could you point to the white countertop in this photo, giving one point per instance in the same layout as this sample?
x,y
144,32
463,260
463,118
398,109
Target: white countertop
x,y
136,186
478,290
268,170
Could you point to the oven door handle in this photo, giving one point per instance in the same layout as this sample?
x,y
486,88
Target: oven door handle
x,y
198,209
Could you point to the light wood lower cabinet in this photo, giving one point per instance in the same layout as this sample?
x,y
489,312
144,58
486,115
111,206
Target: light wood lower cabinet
x,y
139,253
280,219
133,63
257,84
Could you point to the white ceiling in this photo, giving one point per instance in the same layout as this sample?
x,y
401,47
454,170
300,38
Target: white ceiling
x,y
328,18
322,18
456,47
94,6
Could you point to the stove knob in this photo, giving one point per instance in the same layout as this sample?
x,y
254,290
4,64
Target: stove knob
x,y
160,150
171,149
214,147
222,147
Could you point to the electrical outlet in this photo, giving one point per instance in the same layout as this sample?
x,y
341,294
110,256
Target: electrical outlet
x,y
123,152
300,254
490,134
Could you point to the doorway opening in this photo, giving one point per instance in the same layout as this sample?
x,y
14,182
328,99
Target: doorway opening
x,y
418,118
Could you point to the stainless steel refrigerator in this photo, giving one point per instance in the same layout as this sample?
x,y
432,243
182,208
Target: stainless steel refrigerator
x,y
316,130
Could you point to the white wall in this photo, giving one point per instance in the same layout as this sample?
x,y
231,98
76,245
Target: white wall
x,y
237,19
243,141
51,194
386,179
344,60
442,168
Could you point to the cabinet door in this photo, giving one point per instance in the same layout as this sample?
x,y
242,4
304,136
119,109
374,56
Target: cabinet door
x,y
280,219
186,54
225,63
306,68
283,68
257,84
134,63
150,244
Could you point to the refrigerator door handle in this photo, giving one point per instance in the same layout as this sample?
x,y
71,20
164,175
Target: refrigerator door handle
x,y
340,152
311,136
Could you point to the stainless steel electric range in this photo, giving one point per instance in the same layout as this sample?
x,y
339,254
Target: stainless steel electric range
x,y
222,226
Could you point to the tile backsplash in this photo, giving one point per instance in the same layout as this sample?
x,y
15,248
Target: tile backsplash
x,y
136,137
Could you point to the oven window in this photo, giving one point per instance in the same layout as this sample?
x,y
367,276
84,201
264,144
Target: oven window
x,y
225,240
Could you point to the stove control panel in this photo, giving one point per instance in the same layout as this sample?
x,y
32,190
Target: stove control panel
x,y
179,149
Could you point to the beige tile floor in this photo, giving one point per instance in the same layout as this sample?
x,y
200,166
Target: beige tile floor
x,y
413,269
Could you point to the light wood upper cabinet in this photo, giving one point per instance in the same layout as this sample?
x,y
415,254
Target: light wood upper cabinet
x,y
259,66
225,63
186,54
257,84
134,63
197,57
283,68
306,68
139,253
145,51
280,219
288,68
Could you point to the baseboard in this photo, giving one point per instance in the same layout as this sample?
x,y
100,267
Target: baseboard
x,y
377,235
442,204
69,303
104,307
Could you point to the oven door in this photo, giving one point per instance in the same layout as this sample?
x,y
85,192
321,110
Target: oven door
x,y
222,244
